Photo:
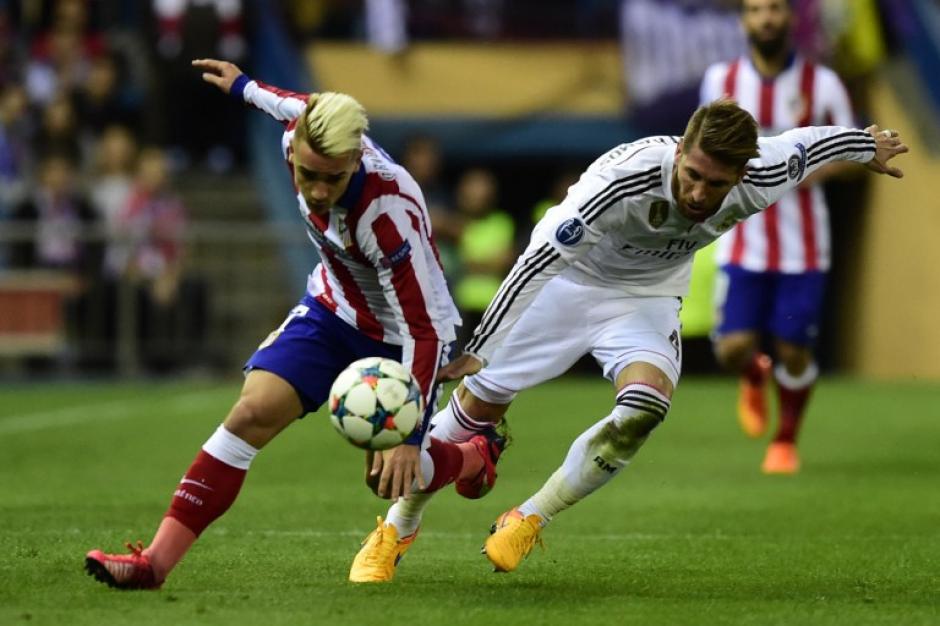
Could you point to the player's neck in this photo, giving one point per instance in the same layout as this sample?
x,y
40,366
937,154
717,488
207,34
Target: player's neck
x,y
770,66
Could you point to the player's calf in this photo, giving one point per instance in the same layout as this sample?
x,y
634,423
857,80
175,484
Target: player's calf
x,y
640,408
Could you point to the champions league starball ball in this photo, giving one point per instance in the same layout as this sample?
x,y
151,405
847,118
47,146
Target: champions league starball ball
x,y
376,403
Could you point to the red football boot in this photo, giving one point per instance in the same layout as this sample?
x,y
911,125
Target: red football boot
x,y
123,571
490,445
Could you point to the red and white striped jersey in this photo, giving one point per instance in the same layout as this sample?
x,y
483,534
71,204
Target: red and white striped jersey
x,y
379,269
791,236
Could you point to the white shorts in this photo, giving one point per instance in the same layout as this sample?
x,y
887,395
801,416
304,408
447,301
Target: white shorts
x,y
568,320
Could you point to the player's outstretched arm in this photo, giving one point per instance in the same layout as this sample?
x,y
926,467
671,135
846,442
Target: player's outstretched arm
x,y
222,74
888,145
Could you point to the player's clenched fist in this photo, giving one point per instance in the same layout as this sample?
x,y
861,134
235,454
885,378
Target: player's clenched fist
x,y
219,73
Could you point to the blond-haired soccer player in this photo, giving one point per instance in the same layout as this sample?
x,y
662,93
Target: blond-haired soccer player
x,y
378,291
604,273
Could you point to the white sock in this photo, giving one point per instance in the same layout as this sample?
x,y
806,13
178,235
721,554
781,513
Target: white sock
x,y
804,380
453,424
405,514
593,460
230,449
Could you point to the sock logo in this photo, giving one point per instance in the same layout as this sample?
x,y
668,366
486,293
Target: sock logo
x,y
604,465
185,495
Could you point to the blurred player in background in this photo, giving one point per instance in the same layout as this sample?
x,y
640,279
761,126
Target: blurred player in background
x,y
604,274
774,266
378,291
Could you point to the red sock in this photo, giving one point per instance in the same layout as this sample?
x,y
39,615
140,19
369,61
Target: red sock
x,y
206,492
452,461
792,406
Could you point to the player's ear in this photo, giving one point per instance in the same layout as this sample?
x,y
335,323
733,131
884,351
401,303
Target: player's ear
x,y
679,147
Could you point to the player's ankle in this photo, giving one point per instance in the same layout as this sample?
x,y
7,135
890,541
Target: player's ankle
x,y
473,462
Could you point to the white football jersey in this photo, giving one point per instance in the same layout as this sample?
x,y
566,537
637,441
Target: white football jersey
x,y
619,225
791,235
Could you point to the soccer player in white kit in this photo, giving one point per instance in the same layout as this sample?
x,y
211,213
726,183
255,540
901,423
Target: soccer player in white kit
x,y
774,267
604,274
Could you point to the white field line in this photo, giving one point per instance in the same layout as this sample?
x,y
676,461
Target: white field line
x,y
191,402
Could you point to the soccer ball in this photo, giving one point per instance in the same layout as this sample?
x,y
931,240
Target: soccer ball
x,y
376,403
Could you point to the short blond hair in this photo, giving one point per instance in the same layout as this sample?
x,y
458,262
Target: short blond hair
x,y
724,131
332,124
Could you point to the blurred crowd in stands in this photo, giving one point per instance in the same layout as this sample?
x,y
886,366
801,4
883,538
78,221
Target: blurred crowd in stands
x,y
96,115
100,111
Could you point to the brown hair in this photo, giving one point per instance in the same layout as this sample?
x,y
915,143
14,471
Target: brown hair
x,y
724,131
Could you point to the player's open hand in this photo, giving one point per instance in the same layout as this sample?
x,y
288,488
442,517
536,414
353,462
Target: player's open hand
x,y
397,469
219,73
463,365
887,146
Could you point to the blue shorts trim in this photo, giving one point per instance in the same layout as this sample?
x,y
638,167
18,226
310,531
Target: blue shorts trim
x,y
786,306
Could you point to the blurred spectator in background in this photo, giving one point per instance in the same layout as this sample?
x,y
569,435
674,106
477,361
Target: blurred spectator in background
x,y
775,264
229,39
58,130
112,176
62,217
147,250
60,57
196,125
14,145
556,194
486,246
11,58
845,34
63,241
100,102
421,156
387,25
667,45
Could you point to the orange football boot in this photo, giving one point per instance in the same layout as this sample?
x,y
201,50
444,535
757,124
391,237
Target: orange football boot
x,y
752,399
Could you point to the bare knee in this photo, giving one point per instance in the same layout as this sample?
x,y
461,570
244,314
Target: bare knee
x,y
266,406
735,350
795,358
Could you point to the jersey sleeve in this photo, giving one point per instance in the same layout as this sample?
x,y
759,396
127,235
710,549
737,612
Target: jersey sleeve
x,y
393,241
281,104
566,233
790,157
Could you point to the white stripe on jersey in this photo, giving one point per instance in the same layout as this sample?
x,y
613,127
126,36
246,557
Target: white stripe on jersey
x,y
794,236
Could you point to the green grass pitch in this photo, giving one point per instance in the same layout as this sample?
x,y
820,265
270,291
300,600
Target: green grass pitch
x,y
690,533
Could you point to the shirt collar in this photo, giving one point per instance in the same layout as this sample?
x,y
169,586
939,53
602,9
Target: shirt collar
x,y
350,197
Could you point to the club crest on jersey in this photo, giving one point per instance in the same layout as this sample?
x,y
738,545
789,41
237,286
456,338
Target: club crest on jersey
x,y
797,163
659,211
570,232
